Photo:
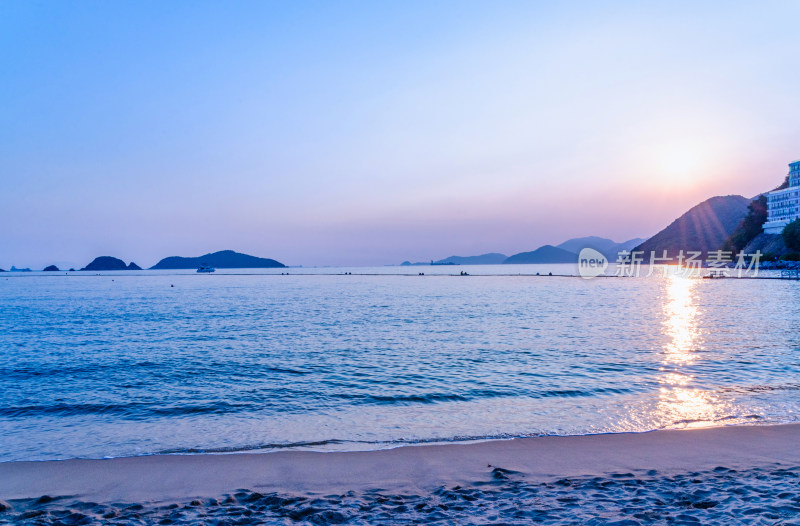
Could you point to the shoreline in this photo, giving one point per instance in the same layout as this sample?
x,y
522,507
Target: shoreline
x,y
371,447
422,468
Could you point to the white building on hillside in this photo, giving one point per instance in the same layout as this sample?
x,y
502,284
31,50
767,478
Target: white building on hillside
x,y
784,205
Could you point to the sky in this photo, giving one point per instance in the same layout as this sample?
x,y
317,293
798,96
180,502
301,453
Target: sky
x,y
369,133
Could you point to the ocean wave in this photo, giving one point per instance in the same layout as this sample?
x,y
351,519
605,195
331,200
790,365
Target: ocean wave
x,y
475,394
256,447
727,418
130,411
256,404
760,388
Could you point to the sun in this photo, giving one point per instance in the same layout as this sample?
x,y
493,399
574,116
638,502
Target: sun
x,y
681,164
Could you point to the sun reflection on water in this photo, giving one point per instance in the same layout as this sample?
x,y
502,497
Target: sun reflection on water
x,y
679,404
681,320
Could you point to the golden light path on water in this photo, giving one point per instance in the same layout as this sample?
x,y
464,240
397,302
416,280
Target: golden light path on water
x,y
679,404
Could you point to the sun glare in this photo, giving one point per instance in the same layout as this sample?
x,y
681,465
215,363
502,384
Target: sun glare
x,y
681,164
676,164
681,320
680,404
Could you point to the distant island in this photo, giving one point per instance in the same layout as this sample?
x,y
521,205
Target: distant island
x,y
104,263
544,254
221,259
566,252
610,249
50,268
417,264
492,258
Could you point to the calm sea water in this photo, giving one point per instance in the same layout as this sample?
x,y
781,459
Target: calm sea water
x,y
142,363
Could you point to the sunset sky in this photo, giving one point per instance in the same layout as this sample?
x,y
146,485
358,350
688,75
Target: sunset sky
x,y
361,133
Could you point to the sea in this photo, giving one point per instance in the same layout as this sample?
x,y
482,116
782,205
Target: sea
x,y
112,364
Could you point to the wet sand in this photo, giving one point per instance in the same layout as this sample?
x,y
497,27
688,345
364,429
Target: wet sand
x,y
704,474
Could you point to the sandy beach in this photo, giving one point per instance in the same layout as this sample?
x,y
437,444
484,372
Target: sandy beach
x,y
708,475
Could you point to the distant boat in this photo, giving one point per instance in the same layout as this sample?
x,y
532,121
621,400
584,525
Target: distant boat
x,y
205,269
